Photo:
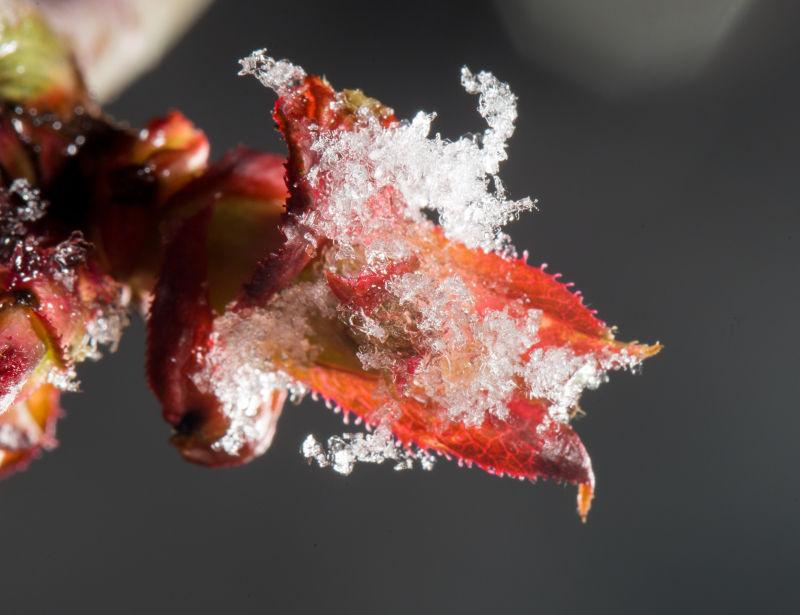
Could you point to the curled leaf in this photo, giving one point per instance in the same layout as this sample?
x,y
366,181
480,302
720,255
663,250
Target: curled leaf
x,y
237,207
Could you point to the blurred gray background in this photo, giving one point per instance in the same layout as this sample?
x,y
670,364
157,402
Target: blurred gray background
x,y
668,193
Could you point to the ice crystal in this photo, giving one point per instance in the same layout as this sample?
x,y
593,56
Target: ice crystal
x,y
471,361
244,389
64,379
66,256
20,204
243,367
456,179
243,394
278,75
341,453
559,376
105,327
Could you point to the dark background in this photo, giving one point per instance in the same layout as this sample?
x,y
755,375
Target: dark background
x,y
674,208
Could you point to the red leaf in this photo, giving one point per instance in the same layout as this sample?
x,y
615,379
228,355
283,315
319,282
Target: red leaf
x,y
321,312
238,204
530,437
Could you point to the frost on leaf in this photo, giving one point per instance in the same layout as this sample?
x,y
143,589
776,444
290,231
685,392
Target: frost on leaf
x,y
56,309
456,179
371,305
341,286
224,408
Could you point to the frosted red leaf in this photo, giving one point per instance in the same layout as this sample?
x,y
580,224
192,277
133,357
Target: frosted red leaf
x,y
264,278
438,333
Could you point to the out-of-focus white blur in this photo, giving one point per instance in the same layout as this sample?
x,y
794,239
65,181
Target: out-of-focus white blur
x,y
117,40
622,47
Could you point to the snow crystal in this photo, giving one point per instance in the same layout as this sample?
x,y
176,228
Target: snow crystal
x,y
278,75
20,204
252,399
342,452
64,379
243,367
559,376
498,106
105,327
65,257
29,206
472,362
453,178
458,179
